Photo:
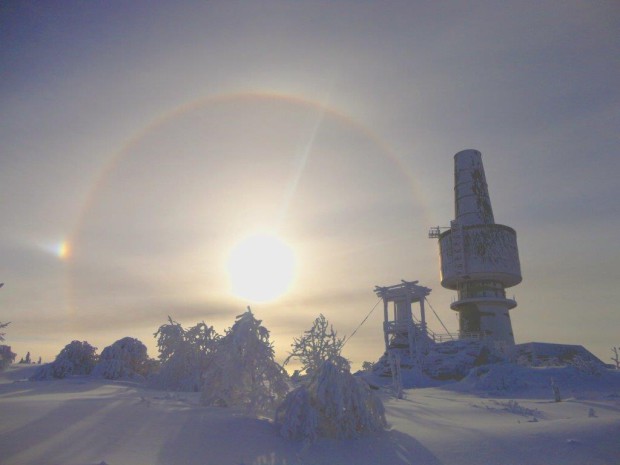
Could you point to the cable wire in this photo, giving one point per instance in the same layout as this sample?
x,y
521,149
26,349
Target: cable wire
x,y
444,326
363,321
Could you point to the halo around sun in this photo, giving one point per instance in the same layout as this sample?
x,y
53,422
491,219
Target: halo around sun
x,y
261,268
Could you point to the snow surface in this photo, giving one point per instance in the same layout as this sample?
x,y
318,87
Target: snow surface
x,y
484,419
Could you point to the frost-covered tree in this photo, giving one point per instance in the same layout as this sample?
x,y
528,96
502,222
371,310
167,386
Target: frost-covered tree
x,y
6,356
202,337
316,345
81,355
243,371
126,358
3,325
367,366
616,357
76,358
184,354
557,396
298,416
333,404
169,337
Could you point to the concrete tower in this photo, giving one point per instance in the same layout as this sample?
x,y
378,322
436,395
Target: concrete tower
x,y
479,259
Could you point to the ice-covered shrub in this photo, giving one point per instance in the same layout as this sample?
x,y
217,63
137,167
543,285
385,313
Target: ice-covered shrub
x,y
184,354
126,358
243,371
43,372
76,358
334,404
297,415
513,406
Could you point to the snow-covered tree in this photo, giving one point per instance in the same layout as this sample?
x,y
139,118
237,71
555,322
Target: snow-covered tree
x,y
616,357
316,345
202,337
243,371
6,356
3,325
334,404
184,355
557,396
367,366
169,337
126,358
298,416
76,358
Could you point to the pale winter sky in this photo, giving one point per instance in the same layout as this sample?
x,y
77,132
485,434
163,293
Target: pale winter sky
x,y
141,141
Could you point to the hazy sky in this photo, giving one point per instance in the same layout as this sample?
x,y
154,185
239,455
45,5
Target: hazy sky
x,y
151,137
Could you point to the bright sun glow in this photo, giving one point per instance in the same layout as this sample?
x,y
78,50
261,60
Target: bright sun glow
x,y
261,268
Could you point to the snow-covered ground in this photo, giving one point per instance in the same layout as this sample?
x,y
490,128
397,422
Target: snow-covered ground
x,y
503,416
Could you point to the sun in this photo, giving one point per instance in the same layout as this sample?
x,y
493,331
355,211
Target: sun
x,y
261,268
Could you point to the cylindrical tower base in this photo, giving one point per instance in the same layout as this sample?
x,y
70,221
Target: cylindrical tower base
x,y
485,320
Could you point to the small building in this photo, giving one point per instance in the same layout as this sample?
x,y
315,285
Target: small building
x,y
403,329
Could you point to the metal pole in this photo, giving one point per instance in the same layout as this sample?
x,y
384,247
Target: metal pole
x,y
422,316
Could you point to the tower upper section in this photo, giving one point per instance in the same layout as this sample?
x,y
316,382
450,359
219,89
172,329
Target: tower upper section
x,y
475,248
472,204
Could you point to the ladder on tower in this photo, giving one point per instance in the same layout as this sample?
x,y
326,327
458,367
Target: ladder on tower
x,y
458,247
